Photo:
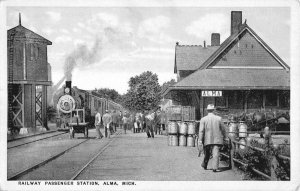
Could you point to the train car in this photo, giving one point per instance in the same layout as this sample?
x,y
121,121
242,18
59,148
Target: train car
x,y
68,99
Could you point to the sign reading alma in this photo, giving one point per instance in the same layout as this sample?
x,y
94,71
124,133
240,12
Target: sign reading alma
x,y
211,93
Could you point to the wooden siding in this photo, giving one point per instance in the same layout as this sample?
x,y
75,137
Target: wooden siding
x,y
36,62
246,52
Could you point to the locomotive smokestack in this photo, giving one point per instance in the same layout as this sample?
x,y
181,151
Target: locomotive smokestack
x,y
68,84
68,87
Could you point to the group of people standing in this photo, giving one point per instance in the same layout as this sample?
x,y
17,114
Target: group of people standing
x,y
155,122
110,122
151,122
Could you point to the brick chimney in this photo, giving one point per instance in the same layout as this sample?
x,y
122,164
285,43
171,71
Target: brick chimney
x,y
215,39
236,21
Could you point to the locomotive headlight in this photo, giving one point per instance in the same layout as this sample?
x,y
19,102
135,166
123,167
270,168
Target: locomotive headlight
x,y
67,90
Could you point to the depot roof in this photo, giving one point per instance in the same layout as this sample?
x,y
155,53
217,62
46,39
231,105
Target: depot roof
x,y
243,61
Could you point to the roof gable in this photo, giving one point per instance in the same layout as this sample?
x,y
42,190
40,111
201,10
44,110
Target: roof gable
x,y
189,57
21,32
244,50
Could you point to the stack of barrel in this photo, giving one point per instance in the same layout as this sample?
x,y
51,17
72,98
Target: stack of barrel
x,y
181,125
181,133
173,132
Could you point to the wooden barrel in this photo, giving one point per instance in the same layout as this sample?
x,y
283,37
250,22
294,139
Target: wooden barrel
x,y
191,128
232,130
190,141
174,140
242,130
183,128
172,127
182,140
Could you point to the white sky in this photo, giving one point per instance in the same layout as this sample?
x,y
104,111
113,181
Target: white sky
x,y
136,39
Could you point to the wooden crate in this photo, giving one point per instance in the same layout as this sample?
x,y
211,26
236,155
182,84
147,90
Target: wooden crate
x,y
188,113
174,112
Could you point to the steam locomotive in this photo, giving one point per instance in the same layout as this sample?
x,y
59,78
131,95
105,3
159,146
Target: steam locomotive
x,y
70,100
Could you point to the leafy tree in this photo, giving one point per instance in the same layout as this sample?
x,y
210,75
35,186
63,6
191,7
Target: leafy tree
x,y
144,92
109,93
167,84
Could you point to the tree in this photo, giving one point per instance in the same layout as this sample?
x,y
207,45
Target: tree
x,y
167,84
109,94
144,92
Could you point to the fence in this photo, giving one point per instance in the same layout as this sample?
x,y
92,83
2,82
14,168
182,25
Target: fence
x,y
233,146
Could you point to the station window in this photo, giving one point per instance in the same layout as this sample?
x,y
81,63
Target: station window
x,y
284,99
220,101
255,100
271,98
235,99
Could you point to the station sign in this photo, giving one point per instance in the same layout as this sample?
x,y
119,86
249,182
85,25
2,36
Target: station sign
x,y
211,93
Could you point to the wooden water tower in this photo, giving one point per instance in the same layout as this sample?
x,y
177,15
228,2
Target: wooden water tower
x,y
28,78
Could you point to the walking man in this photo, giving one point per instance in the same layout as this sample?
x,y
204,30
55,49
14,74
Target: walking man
x,y
120,117
114,120
143,121
162,121
125,122
211,135
149,125
97,124
158,122
106,122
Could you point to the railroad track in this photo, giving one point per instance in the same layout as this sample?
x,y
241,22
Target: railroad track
x,y
18,175
32,139
93,158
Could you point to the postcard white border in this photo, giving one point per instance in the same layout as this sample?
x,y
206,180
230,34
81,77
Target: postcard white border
x,y
294,184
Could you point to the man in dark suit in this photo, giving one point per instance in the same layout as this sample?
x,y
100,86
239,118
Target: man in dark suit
x,y
143,121
120,117
211,135
149,124
114,117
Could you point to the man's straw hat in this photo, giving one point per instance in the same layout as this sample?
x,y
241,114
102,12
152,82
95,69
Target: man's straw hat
x,y
210,107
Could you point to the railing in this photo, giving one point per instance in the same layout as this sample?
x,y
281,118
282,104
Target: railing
x,y
234,145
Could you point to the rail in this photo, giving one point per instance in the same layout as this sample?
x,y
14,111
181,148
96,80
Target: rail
x,y
77,174
28,136
17,175
10,146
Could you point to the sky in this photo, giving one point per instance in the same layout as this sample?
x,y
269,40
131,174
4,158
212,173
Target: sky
x,y
118,43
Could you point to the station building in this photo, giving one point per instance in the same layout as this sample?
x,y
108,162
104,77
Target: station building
x,y
29,75
243,74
